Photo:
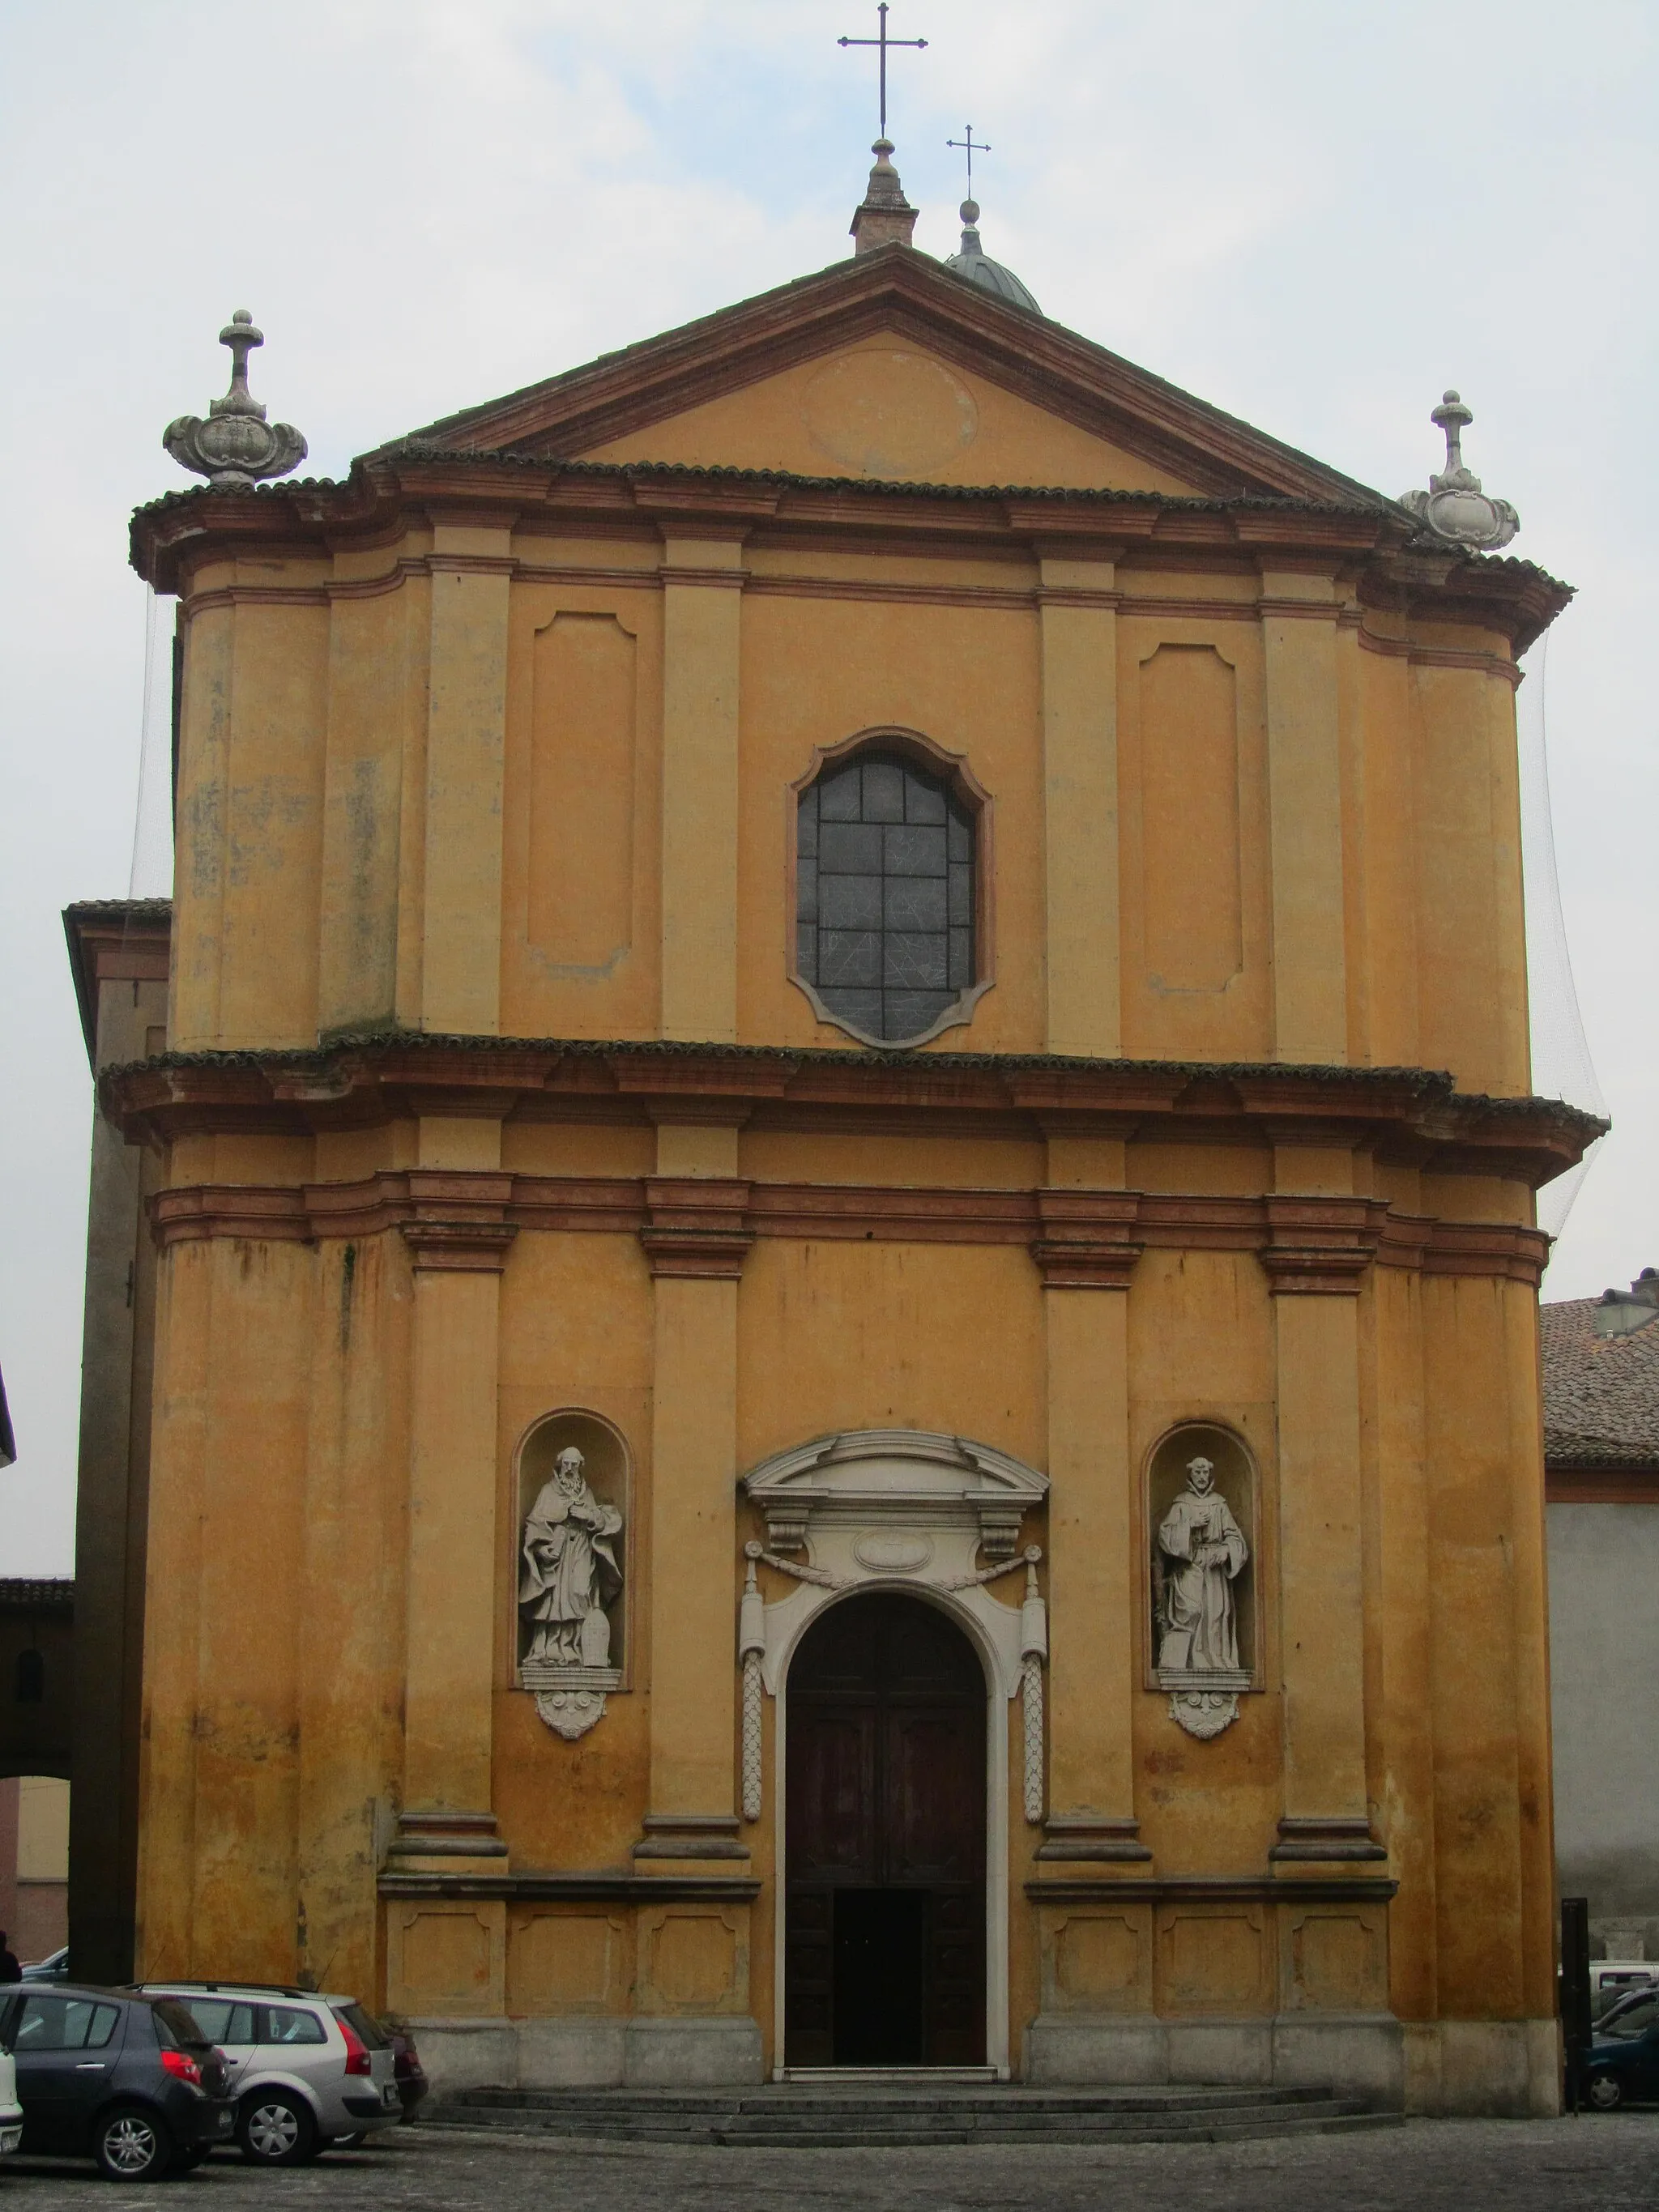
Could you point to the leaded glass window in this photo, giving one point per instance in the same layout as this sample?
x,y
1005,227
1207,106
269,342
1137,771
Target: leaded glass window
x,y
884,881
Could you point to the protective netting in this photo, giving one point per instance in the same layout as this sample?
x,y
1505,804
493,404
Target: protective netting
x,y
1561,1063
151,873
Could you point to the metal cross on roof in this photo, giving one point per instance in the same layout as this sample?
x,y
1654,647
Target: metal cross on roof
x,y
882,43
971,146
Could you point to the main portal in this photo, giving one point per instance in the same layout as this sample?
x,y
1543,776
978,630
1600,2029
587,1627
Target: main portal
x,y
884,1869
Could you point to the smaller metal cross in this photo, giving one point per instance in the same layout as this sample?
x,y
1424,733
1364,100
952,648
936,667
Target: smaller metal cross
x,y
971,146
883,43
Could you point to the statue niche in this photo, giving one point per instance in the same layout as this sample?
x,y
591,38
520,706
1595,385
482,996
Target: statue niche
x,y
1201,1497
571,1568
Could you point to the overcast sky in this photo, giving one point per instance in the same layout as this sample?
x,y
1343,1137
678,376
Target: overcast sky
x,y
1315,216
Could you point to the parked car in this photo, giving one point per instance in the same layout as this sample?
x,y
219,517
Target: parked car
x,y
54,1967
11,2112
127,2079
412,2084
1613,1978
306,2070
1623,2059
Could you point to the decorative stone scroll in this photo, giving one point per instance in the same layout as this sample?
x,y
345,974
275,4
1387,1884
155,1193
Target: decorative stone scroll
x,y
571,1574
1200,1553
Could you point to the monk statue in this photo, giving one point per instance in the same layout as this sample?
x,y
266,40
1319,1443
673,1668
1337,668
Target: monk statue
x,y
1202,1550
569,1573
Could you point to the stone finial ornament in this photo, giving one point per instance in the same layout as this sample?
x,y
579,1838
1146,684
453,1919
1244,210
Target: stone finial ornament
x,y
1453,507
236,446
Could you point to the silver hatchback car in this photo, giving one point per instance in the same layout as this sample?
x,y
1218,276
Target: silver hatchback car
x,y
306,2070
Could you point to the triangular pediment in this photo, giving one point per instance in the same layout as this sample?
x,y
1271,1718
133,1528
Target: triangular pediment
x,y
889,367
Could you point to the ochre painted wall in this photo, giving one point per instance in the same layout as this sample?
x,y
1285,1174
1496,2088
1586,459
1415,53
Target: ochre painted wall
x,y
502,770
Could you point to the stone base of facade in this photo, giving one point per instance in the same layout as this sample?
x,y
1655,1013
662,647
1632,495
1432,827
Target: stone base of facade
x,y
1496,2069
648,2053
1351,2054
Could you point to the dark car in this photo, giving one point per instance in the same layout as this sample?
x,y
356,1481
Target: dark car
x,y
1624,2060
411,2075
129,2081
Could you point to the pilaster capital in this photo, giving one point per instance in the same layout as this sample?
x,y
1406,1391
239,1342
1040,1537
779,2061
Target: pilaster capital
x,y
458,1221
696,1226
1321,1246
1086,1239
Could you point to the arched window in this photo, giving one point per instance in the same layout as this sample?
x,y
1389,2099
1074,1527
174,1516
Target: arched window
x,y
29,1678
887,896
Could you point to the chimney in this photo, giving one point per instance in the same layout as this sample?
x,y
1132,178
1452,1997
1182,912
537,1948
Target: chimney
x,y
884,216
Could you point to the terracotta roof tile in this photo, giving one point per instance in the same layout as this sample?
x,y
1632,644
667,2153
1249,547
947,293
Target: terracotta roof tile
x,y
1600,1394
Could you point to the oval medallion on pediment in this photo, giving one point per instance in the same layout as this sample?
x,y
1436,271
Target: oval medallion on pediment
x,y
887,1554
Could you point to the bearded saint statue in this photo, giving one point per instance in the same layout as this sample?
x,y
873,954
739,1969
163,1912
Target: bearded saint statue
x,y
1203,1550
569,1573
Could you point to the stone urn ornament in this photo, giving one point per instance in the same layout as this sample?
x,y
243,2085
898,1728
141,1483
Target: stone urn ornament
x,y
1453,507
236,446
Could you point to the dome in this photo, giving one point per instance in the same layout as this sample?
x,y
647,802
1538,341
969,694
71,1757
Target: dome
x,y
976,266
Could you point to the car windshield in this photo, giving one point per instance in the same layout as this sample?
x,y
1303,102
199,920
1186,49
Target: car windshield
x,y
365,2025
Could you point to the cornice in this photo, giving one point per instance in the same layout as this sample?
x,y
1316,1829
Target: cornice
x,y
773,508
705,1227
1414,1115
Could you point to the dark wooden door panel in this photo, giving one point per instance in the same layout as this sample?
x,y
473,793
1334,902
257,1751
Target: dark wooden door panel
x,y
933,1819
833,1810
885,1904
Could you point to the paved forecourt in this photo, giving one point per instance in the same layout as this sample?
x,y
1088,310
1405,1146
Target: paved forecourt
x,y
1600,2164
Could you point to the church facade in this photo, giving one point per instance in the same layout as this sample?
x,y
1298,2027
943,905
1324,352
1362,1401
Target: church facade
x,y
844,1335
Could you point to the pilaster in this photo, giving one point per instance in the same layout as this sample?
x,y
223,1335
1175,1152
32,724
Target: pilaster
x,y
1304,796
702,587
1078,610
466,750
1320,1242
1087,1255
695,1243
457,1246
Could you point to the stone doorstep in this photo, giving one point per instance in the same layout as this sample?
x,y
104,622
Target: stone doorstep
x,y
769,2120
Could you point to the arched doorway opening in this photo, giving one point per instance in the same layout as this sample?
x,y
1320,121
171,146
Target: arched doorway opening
x,y
885,1844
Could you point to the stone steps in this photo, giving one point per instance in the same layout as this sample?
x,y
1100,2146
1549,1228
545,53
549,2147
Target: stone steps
x,y
786,2116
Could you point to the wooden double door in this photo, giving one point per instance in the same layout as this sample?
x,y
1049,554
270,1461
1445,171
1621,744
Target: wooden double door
x,y
884,1866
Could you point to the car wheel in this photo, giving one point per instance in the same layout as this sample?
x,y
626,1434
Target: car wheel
x,y
1606,2091
275,2129
132,2144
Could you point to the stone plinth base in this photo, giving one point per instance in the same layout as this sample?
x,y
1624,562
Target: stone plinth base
x,y
1351,2054
1495,2068
715,2052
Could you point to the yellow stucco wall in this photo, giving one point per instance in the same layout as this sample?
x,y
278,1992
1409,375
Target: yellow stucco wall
x,y
507,775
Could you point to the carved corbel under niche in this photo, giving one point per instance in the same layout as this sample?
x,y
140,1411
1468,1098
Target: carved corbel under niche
x,y
1202,1702
570,1699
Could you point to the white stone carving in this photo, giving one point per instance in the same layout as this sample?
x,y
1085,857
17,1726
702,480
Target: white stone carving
x,y
1202,1552
570,1699
892,1555
568,1575
888,1469
1203,1704
235,445
1034,1650
751,1648
1453,507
